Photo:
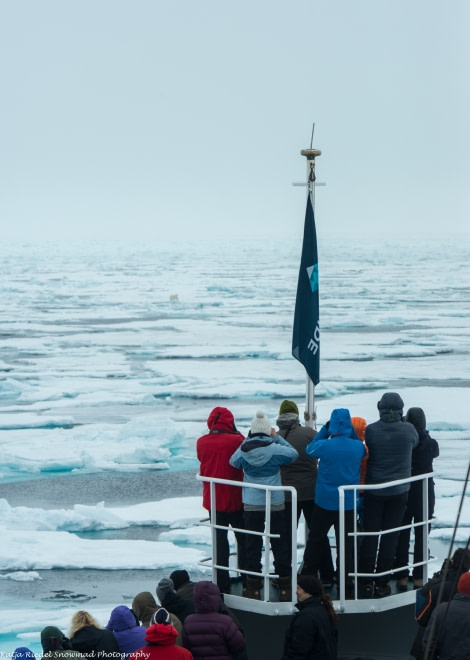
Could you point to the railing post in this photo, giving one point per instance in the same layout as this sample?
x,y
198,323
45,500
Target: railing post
x,y
425,486
293,541
213,519
267,533
341,562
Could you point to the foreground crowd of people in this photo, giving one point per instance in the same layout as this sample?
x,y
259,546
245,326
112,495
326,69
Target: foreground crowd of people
x,y
190,620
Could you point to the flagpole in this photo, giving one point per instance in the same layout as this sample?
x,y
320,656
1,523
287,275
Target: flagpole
x,y
310,415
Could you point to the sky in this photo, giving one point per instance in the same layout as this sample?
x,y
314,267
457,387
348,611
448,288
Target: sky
x,y
165,119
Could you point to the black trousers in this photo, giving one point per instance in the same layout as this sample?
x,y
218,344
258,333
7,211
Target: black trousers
x,y
413,513
380,513
232,519
303,506
255,520
317,554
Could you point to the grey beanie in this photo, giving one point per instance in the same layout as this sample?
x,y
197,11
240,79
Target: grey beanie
x,y
164,587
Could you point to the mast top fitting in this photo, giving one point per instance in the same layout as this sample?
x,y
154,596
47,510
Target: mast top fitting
x,y
311,154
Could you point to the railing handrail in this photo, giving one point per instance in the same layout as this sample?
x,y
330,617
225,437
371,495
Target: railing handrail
x,y
386,484
248,484
424,478
266,575
267,534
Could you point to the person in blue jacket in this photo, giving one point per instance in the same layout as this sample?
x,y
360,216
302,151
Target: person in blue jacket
x,y
340,452
129,635
260,456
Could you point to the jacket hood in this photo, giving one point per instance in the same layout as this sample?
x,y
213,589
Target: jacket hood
x,y
340,422
391,407
359,425
161,634
258,450
51,638
287,421
144,605
221,419
417,417
23,653
122,618
206,596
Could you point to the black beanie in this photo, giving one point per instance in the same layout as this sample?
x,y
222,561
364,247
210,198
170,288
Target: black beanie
x,y
179,578
161,616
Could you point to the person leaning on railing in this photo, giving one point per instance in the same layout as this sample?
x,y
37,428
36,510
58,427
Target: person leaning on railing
x,y
301,473
390,441
422,457
214,450
260,456
340,453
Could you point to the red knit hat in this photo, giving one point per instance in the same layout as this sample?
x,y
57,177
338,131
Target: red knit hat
x,y
463,586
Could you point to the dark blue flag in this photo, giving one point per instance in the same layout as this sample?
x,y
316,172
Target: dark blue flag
x,y
306,333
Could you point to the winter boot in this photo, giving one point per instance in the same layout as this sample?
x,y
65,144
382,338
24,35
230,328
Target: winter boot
x,y
253,588
402,584
285,589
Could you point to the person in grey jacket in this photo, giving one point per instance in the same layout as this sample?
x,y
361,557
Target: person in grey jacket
x,y
260,456
390,442
447,635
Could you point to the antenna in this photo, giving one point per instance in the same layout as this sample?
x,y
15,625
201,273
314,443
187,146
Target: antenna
x,y
311,154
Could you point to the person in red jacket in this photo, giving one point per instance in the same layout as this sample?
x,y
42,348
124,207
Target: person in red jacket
x,y
160,637
214,450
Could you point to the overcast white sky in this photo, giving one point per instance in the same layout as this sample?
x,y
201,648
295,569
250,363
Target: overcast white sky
x,y
169,118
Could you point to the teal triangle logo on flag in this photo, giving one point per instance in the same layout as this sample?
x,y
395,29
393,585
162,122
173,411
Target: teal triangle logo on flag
x,y
313,277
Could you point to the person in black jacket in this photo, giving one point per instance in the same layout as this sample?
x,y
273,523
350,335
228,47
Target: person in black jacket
x,y
447,635
312,634
441,588
87,636
173,602
421,463
390,442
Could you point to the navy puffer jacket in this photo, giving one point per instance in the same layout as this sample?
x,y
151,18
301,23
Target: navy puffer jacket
x,y
390,442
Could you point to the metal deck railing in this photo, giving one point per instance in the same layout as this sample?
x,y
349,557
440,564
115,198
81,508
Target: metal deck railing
x,y
269,603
